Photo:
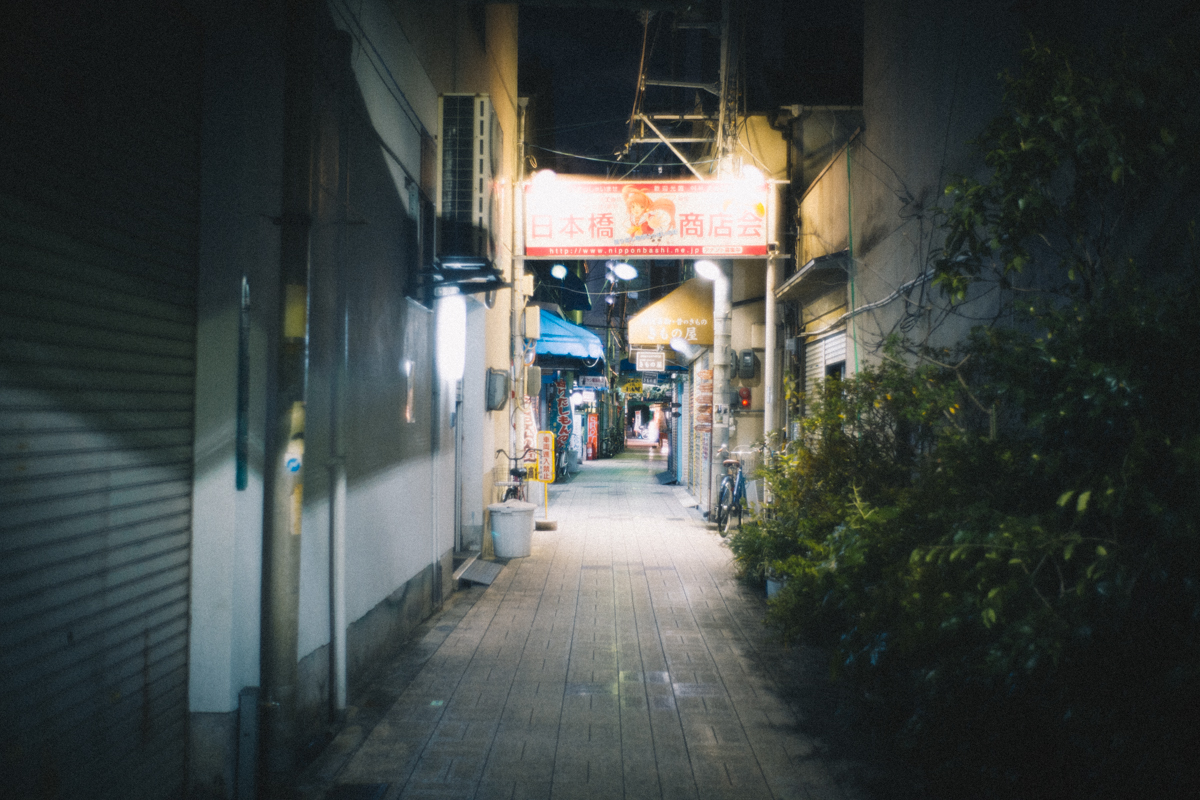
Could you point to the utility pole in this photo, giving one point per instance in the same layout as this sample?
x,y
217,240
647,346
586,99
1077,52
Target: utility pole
x,y
283,467
723,284
516,340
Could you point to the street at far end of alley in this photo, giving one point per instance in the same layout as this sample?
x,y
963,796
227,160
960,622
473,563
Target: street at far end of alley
x,y
621,659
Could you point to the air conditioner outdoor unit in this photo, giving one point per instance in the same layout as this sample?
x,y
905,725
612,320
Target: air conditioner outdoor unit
x,y
469,144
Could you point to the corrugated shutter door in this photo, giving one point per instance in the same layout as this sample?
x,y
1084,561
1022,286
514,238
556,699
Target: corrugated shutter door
x,y
99,213
819,354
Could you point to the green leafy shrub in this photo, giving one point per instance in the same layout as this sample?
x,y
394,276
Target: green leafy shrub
x,y
1002,547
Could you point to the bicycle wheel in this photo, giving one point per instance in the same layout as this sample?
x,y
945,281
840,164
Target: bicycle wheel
x,y
724,507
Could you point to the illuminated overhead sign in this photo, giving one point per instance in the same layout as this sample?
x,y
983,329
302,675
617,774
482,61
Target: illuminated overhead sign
x,y
566,218
684,315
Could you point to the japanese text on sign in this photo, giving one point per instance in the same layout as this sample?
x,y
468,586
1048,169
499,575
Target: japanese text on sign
x,y
545,456
567,218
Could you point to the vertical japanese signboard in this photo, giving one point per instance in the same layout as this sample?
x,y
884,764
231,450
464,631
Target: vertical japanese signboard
x,y
593,435
704,399
545,456
567,218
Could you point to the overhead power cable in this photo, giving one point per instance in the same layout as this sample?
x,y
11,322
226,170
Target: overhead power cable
x,y
609,160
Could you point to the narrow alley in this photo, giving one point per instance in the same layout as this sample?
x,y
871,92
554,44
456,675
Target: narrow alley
x,y
622,659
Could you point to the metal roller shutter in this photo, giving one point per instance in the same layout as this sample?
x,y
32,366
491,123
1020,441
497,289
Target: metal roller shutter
x,y
819,355
99,213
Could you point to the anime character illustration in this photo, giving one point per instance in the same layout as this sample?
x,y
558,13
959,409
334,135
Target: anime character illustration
x,y
647,217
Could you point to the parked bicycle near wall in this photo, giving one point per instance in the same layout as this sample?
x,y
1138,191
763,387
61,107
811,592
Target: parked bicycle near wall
x,y
514,487
731,495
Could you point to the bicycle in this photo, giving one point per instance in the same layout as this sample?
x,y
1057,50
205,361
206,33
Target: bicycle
x,y
731,496
515,487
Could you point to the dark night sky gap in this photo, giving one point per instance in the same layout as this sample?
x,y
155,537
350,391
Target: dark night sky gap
x,y
585,61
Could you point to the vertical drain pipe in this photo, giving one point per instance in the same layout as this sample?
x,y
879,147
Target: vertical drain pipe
x,y
337,401
851,323
283,468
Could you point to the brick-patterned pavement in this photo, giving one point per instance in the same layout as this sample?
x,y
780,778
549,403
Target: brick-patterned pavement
x,y
620,660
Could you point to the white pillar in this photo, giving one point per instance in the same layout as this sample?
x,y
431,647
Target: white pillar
x,y
722,313
770,378
770,373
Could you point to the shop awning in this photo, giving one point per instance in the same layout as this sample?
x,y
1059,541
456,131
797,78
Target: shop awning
x,y
816,277
685,313
563,339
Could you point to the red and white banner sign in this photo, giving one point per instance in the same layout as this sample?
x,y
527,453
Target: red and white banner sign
x,y
566,218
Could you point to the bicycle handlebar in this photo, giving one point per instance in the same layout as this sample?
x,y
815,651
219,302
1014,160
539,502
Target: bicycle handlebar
x,y
527,451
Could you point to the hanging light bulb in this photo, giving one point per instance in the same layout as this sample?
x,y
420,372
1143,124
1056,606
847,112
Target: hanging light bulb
x,y
610,299
625,272
558,271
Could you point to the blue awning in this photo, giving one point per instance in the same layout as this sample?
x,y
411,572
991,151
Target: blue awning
x,y
564,339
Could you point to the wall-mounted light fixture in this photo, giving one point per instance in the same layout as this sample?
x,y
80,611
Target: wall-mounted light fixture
x,y
451,336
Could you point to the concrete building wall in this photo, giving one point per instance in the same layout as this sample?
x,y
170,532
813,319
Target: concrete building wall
x,y
930,85
372,349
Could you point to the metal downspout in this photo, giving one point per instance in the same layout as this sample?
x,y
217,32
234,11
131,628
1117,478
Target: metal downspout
x,y
850,246
337,404
284,464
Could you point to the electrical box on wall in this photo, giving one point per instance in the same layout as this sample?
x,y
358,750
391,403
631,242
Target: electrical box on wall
x,y
497,389
746,365
533,322
533,381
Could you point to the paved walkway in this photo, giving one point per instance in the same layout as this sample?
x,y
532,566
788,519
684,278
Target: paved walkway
x,y
620,660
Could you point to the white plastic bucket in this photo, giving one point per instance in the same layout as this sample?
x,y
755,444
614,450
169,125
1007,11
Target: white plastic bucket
x,y
512,528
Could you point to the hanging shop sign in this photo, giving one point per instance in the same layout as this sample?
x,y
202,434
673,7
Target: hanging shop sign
x,y
561,413
592,382
684,314
651,360
566,218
